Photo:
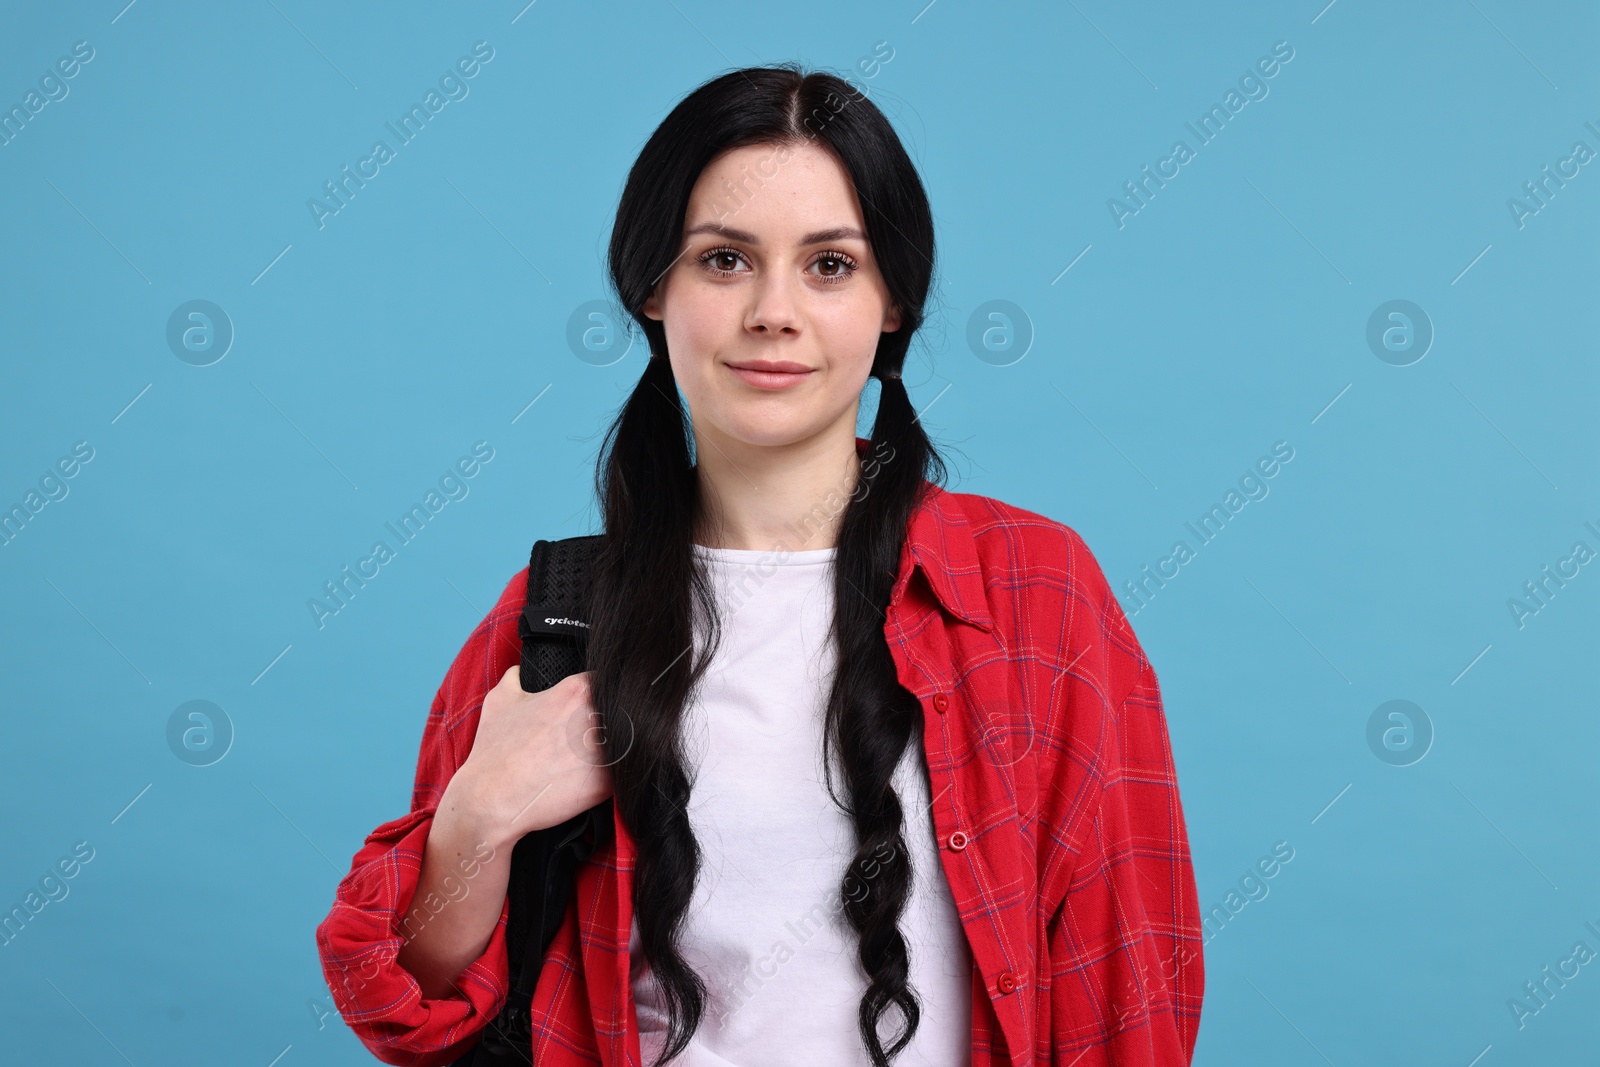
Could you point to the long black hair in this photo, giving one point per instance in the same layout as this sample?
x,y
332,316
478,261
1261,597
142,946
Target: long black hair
x,y
649,588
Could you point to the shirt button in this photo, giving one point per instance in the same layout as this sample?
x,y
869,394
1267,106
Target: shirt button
x,y
958,841
940,702
1005,983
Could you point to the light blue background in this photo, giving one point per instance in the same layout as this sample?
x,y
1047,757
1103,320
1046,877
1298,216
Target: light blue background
x,y
1228,314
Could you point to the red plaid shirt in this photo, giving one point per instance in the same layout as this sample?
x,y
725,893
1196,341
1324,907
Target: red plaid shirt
x,y
1059,825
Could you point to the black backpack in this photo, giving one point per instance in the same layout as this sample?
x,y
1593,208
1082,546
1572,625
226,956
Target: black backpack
x,y
554,631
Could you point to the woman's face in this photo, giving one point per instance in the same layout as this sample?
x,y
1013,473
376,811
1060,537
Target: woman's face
x,y
775,269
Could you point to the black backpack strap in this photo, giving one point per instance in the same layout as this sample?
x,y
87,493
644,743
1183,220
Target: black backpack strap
x,y
554,631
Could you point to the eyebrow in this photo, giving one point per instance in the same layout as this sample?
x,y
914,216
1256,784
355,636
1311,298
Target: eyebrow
x,y
837,233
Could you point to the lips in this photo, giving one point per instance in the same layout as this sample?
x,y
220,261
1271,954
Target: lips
x,y
771,366
770,373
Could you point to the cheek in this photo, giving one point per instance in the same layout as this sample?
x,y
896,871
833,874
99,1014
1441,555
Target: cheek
x,y
851,328
700,321
699,327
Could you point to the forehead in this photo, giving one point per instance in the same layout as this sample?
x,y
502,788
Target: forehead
x,y
775,193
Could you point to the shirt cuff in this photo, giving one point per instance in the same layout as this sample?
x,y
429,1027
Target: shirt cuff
x,y
362,936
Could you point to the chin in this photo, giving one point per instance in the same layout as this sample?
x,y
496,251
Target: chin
x,y
767,432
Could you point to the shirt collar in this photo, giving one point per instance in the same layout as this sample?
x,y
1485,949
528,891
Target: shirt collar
x,y
939,540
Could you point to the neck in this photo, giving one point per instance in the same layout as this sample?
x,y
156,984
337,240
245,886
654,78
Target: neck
x,y
787,497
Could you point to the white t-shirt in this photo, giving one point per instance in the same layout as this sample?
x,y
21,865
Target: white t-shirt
x,y
765,930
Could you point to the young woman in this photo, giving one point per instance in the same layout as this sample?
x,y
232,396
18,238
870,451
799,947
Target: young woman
x,y
888,771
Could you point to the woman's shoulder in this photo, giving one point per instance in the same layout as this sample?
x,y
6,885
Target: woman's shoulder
x,y
492,647
498,629
1045,584
1012,537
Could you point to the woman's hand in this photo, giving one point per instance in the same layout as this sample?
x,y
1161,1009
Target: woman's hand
x,y
536,762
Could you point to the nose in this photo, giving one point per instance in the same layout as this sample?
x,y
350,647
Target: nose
x,y
773,309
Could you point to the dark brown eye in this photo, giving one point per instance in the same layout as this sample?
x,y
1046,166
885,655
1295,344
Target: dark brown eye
x,y
721,260
834,266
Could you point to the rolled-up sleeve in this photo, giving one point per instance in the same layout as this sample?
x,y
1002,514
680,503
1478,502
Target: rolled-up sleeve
x,y
364,931
1125,941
